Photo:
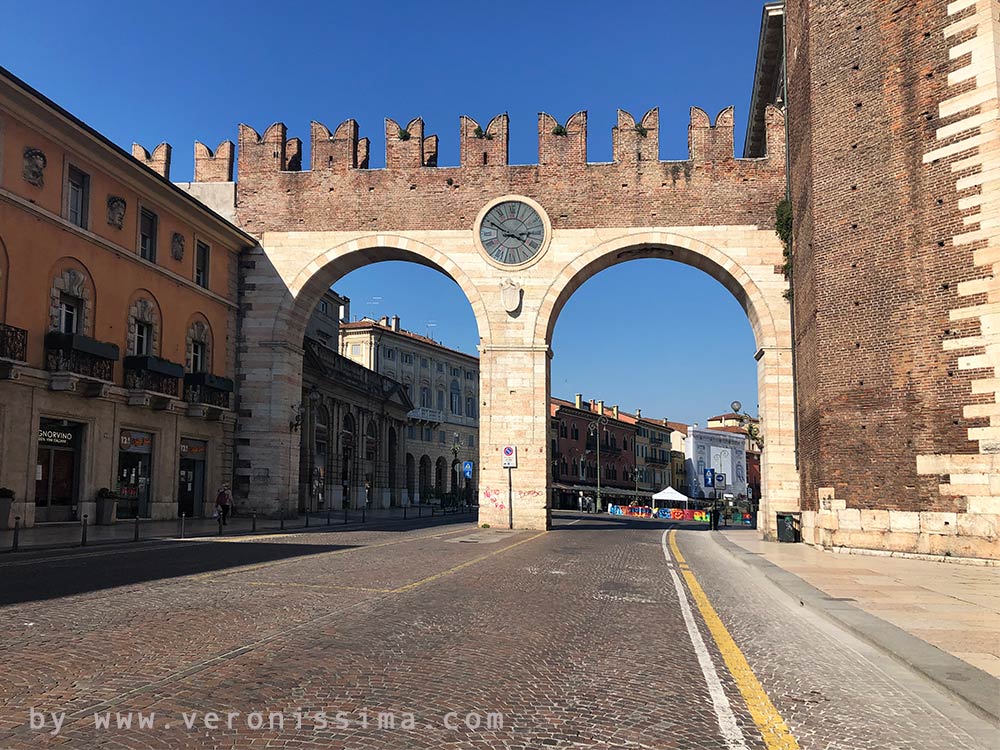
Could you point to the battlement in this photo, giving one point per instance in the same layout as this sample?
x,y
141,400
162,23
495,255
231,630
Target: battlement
x,y
158,161
407,147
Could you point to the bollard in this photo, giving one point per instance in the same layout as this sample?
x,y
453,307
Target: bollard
x,y
281,517
364,512
404,512
135,536
220,522
17,531
83,532
345,513
420,511
307,519
253,521
329,519
182,524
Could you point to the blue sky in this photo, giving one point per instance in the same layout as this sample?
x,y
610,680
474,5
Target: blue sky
x,y
667,338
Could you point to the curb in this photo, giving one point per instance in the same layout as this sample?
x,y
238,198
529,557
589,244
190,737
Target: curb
x,y
979,690
25,551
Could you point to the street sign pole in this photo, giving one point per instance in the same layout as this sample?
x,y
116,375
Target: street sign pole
x,y
510,497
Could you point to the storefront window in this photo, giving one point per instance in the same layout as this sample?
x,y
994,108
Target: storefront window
x,y
57,470
135,473
191,482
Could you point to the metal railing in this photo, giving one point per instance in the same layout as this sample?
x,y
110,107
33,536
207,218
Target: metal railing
x,y
147,380
81,363
13,343
199,394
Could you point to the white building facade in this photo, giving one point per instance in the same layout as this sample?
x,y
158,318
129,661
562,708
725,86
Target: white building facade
x,y
722,452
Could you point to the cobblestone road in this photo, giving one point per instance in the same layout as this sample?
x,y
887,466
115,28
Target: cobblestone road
x,y
576,638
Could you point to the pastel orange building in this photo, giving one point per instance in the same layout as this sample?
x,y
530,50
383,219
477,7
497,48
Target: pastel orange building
x,y
118,315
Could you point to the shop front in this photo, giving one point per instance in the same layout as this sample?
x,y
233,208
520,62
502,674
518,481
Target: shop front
x,y
57,470
191,482
135,473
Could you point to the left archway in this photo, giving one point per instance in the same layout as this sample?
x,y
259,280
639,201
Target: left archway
x,y
288,276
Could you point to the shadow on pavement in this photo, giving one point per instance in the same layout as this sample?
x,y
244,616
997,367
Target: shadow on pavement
x,y
51,577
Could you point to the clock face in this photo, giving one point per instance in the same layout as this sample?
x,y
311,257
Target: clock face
x,y
512,232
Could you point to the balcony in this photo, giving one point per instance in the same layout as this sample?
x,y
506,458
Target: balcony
x,y
151,381
656,441
206,394
606,449
13,348
426,415
72,356
654,459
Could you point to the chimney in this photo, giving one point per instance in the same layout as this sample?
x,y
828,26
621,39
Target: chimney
x,y
600,407
394,323
384,321
614,410
579,401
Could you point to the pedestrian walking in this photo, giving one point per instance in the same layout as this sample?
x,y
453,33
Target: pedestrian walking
x,y
223,503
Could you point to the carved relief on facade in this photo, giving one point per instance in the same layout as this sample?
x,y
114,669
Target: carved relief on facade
x,y
34,166
116,211
177,246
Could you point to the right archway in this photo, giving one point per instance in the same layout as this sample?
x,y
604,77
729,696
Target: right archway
x,y
760,289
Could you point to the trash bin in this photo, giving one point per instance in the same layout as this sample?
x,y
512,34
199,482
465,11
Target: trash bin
x,y
789,527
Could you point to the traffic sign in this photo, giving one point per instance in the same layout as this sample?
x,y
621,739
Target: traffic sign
x,y
509,453
467,469
720,479
709,477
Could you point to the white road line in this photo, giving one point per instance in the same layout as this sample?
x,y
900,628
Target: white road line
x,y
730,730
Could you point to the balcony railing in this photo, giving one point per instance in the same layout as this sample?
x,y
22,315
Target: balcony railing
x,y
656,441
144,373
13,343
207,389
654,459
605,448
424,414
82,355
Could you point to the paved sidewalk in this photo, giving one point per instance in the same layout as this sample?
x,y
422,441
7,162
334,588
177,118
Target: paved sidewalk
x,y
44,536
953,607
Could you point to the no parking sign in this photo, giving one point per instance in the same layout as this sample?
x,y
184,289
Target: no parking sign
x,y
509,453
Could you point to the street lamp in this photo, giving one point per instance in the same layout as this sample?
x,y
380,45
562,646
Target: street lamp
x,y
314,400
456,448
594,428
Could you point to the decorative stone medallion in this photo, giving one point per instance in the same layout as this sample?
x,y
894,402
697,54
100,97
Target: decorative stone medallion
x,y
177,246
34,166
116,211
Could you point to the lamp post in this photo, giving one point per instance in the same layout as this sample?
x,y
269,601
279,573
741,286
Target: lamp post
x,y
456,448
594,428
314,400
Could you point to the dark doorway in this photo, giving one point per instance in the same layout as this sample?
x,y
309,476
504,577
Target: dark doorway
x,y
191,481
56,470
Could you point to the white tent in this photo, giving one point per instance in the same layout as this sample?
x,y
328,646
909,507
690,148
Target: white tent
x,y
671,495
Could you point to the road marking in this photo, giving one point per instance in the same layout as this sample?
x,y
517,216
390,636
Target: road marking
x,y
466,564
773,729
730,730
315,586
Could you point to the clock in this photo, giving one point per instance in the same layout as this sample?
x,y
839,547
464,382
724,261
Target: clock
x,y
512,232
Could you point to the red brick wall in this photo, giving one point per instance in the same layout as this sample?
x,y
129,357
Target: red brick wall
x,y
710,188
875,268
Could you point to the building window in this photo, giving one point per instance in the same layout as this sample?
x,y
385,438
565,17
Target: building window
x,y
470,406
428,434
425,397
389,354
198,356
455,372
407,358
147,235
423,362
78,195
574,432
323,306
456,399
562,430
201,268
470,376
355,350
440,367
69,313
411,432
472,441
440,400
441,436
143,339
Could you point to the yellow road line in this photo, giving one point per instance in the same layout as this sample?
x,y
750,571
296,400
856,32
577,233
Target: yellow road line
x,y
466,564
314,586
773,728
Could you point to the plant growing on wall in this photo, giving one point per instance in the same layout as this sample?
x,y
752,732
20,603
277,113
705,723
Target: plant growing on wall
x,y
643,132
559,130
404,134
480,133
783,228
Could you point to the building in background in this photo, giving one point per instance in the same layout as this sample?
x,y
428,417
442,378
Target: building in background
x,y
715,464
118,314
574,432
678,460
442,430
747,426
353,423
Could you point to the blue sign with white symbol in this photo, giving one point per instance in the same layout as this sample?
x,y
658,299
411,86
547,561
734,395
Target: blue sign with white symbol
x,y
709,477
467,469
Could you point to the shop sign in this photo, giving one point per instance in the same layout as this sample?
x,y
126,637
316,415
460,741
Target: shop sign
x,y
56,436
136,442
194,449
